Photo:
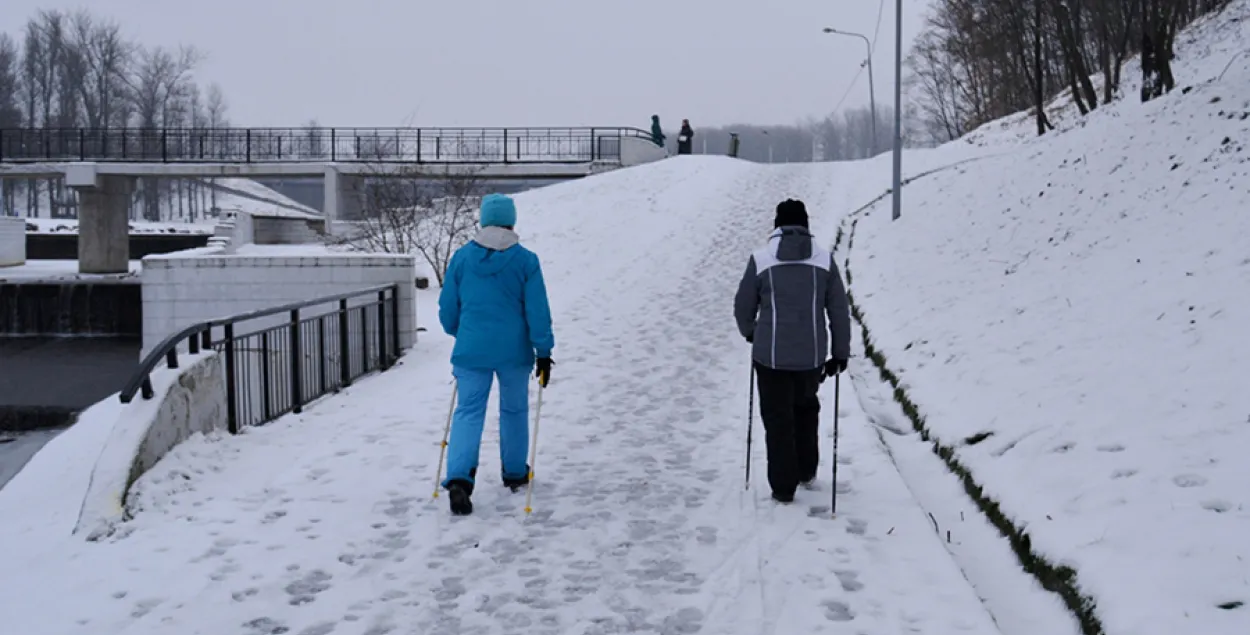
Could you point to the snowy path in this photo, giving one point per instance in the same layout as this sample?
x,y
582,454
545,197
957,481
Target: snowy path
x,y
323,522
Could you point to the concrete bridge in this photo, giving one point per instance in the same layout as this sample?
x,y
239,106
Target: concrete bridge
x,y
102,164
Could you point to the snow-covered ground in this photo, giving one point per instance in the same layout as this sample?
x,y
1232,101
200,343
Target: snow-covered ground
x,y
1072,317
324,522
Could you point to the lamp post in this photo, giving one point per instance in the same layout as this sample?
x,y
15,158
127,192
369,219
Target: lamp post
x,y
898,109
872,92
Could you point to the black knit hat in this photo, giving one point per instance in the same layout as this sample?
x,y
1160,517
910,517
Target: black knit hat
x,y
791,212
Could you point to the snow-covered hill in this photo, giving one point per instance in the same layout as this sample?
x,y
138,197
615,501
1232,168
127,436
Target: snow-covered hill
x,y
1072,319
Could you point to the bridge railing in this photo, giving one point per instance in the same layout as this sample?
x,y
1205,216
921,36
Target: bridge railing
x,y
305,145
279,360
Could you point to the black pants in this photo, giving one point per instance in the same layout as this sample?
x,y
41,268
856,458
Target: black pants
x,y
790,408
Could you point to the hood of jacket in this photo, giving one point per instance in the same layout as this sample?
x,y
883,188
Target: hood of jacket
x,y
496,250
794,243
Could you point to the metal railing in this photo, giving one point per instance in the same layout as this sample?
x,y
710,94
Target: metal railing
x,y
309,145
299,352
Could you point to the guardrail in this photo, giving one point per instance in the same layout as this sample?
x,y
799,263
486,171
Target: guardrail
x,y
321,346
307,145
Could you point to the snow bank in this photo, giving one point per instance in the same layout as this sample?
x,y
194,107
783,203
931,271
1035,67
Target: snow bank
x,y
70,226
77,483
1070,317
251,197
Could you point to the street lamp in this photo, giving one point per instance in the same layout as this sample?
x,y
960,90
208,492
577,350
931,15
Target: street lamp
x,y
872,92
898,109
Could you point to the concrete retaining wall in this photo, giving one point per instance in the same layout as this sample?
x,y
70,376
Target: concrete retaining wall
x,y
65,246
12,241
182,289
272,230
636,151
189,400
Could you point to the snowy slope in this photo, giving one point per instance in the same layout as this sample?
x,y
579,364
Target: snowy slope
x,y
1072,317
323,522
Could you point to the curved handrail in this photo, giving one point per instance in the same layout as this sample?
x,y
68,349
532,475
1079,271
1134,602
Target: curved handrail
x,y
141,379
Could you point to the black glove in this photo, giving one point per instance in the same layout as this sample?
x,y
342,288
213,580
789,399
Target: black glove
x,y
750,339
544,370
833,367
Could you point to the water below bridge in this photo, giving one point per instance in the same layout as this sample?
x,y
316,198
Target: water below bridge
x,y
45,381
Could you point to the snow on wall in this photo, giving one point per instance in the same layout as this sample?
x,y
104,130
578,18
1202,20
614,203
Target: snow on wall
x,y
183,288
188,401
12,241
636,151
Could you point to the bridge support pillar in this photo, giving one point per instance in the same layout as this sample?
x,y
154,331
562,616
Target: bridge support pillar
x,y
344,196
103,221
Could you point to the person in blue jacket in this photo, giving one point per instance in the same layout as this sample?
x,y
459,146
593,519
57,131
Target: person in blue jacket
x,y
494,302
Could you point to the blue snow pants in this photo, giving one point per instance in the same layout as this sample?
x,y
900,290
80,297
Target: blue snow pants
x,y
470,417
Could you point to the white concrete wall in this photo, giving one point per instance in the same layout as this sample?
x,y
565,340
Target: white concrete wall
x,y
12,241
244,231
181,289
635,151
267,230
189,400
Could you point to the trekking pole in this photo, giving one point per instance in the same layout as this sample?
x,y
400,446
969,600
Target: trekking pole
x,y
837,391
442,451
538,414
750,423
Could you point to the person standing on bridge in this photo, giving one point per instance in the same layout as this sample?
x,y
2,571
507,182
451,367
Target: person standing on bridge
x,y
789,288
657,133
685,139
494,302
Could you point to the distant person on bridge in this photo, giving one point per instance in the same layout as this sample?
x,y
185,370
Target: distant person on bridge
x,y
788,290
657,133
685,139
494,302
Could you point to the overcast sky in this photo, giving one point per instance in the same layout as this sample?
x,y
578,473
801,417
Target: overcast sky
x,y
518,63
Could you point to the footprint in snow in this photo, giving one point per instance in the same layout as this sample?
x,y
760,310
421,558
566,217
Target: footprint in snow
x,y
836,611
1217,505
1189,480
849,581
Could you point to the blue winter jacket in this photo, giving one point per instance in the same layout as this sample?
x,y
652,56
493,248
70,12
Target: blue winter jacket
x,y
494,302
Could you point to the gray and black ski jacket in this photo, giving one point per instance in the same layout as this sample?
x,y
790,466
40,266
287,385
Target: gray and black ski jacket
x,y
789,288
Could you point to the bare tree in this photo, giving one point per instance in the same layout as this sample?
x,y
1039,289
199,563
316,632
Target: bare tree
x,y
314,145
425,210
979,60
102,60
160,81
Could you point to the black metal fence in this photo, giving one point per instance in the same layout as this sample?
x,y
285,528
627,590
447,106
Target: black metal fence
x,y
306,145
278,360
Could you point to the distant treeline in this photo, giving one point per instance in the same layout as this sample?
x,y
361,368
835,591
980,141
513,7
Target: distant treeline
x,y
78,70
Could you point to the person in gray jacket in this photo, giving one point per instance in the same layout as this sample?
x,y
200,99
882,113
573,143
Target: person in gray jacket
x,y
791,306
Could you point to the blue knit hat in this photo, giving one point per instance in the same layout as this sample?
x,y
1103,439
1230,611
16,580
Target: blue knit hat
x,y
498,211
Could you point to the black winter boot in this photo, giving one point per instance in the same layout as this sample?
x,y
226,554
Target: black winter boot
x,y
458,492
516,484
783,497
